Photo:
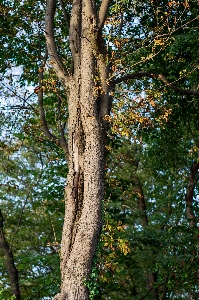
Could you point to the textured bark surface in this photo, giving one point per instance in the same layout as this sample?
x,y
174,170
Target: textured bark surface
x,y
10,265
87,105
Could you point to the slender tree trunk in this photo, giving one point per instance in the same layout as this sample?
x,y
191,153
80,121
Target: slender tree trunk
x,y
152,277
10,265
190,194
141,203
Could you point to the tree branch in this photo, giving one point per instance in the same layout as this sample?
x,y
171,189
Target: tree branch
x,y
176,88
66,15
52,137
18,96
152,75
45,128
51,44
131,76
90,11
75,33
103,12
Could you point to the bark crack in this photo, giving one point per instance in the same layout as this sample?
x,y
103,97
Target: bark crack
x,y
78,145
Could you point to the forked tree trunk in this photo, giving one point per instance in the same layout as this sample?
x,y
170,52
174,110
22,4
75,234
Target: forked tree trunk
x,y
87,94
84,193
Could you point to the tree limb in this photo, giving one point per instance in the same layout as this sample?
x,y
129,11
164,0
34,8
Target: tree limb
x,y
51,44
66,15
131,76
103,12
90,11
152,75
176,88
52,137
18,96
45,128
75,34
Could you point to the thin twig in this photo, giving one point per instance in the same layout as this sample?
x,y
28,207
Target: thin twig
x,y
151,75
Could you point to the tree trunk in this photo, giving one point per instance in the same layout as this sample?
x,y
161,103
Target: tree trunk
x,y
151,277
87,94
190,194
10,265
84,193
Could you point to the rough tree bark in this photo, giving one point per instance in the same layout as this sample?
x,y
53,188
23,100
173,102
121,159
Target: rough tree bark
x,y
88,107
10,265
